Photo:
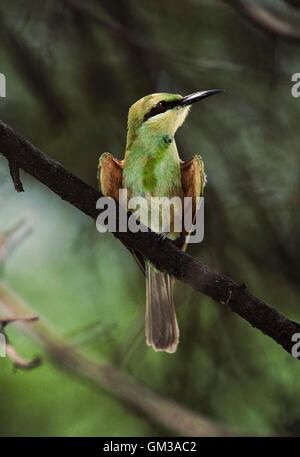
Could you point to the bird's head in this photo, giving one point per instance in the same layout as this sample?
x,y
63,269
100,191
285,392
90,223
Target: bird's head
x,y
161,113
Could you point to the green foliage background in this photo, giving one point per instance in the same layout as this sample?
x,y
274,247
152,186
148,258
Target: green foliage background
x,y
70,81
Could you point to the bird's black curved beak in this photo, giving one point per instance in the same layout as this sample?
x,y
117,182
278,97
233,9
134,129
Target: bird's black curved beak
x,y
193,98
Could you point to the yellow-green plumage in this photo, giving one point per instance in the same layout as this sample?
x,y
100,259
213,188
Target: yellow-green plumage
x,y
153,168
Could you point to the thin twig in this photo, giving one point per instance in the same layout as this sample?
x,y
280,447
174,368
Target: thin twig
x,y
10,351
13,237
265,20
15,176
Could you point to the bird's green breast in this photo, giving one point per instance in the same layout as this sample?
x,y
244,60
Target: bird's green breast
x,y
153,168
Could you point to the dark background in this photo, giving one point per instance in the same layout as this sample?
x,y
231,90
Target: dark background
x,y
73,68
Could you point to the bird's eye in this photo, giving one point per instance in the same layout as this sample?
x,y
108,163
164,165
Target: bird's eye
x,y
160,107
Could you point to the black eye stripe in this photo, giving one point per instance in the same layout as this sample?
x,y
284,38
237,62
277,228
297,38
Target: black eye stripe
x,y
160,107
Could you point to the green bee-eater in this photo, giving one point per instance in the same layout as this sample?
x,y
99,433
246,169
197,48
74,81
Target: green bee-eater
x,y
153,168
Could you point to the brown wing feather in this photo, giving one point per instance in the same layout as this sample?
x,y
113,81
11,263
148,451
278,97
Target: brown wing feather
x,y
110,174
192,182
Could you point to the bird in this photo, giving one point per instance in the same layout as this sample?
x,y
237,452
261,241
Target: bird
x,y
152,168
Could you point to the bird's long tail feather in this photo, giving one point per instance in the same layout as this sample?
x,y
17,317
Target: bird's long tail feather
x,y
161,327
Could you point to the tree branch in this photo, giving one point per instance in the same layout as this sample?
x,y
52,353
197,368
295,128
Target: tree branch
x,y
157,408
163,254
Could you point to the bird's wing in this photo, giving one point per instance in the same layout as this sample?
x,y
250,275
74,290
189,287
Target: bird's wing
x,y
110,174
192,183
110,171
